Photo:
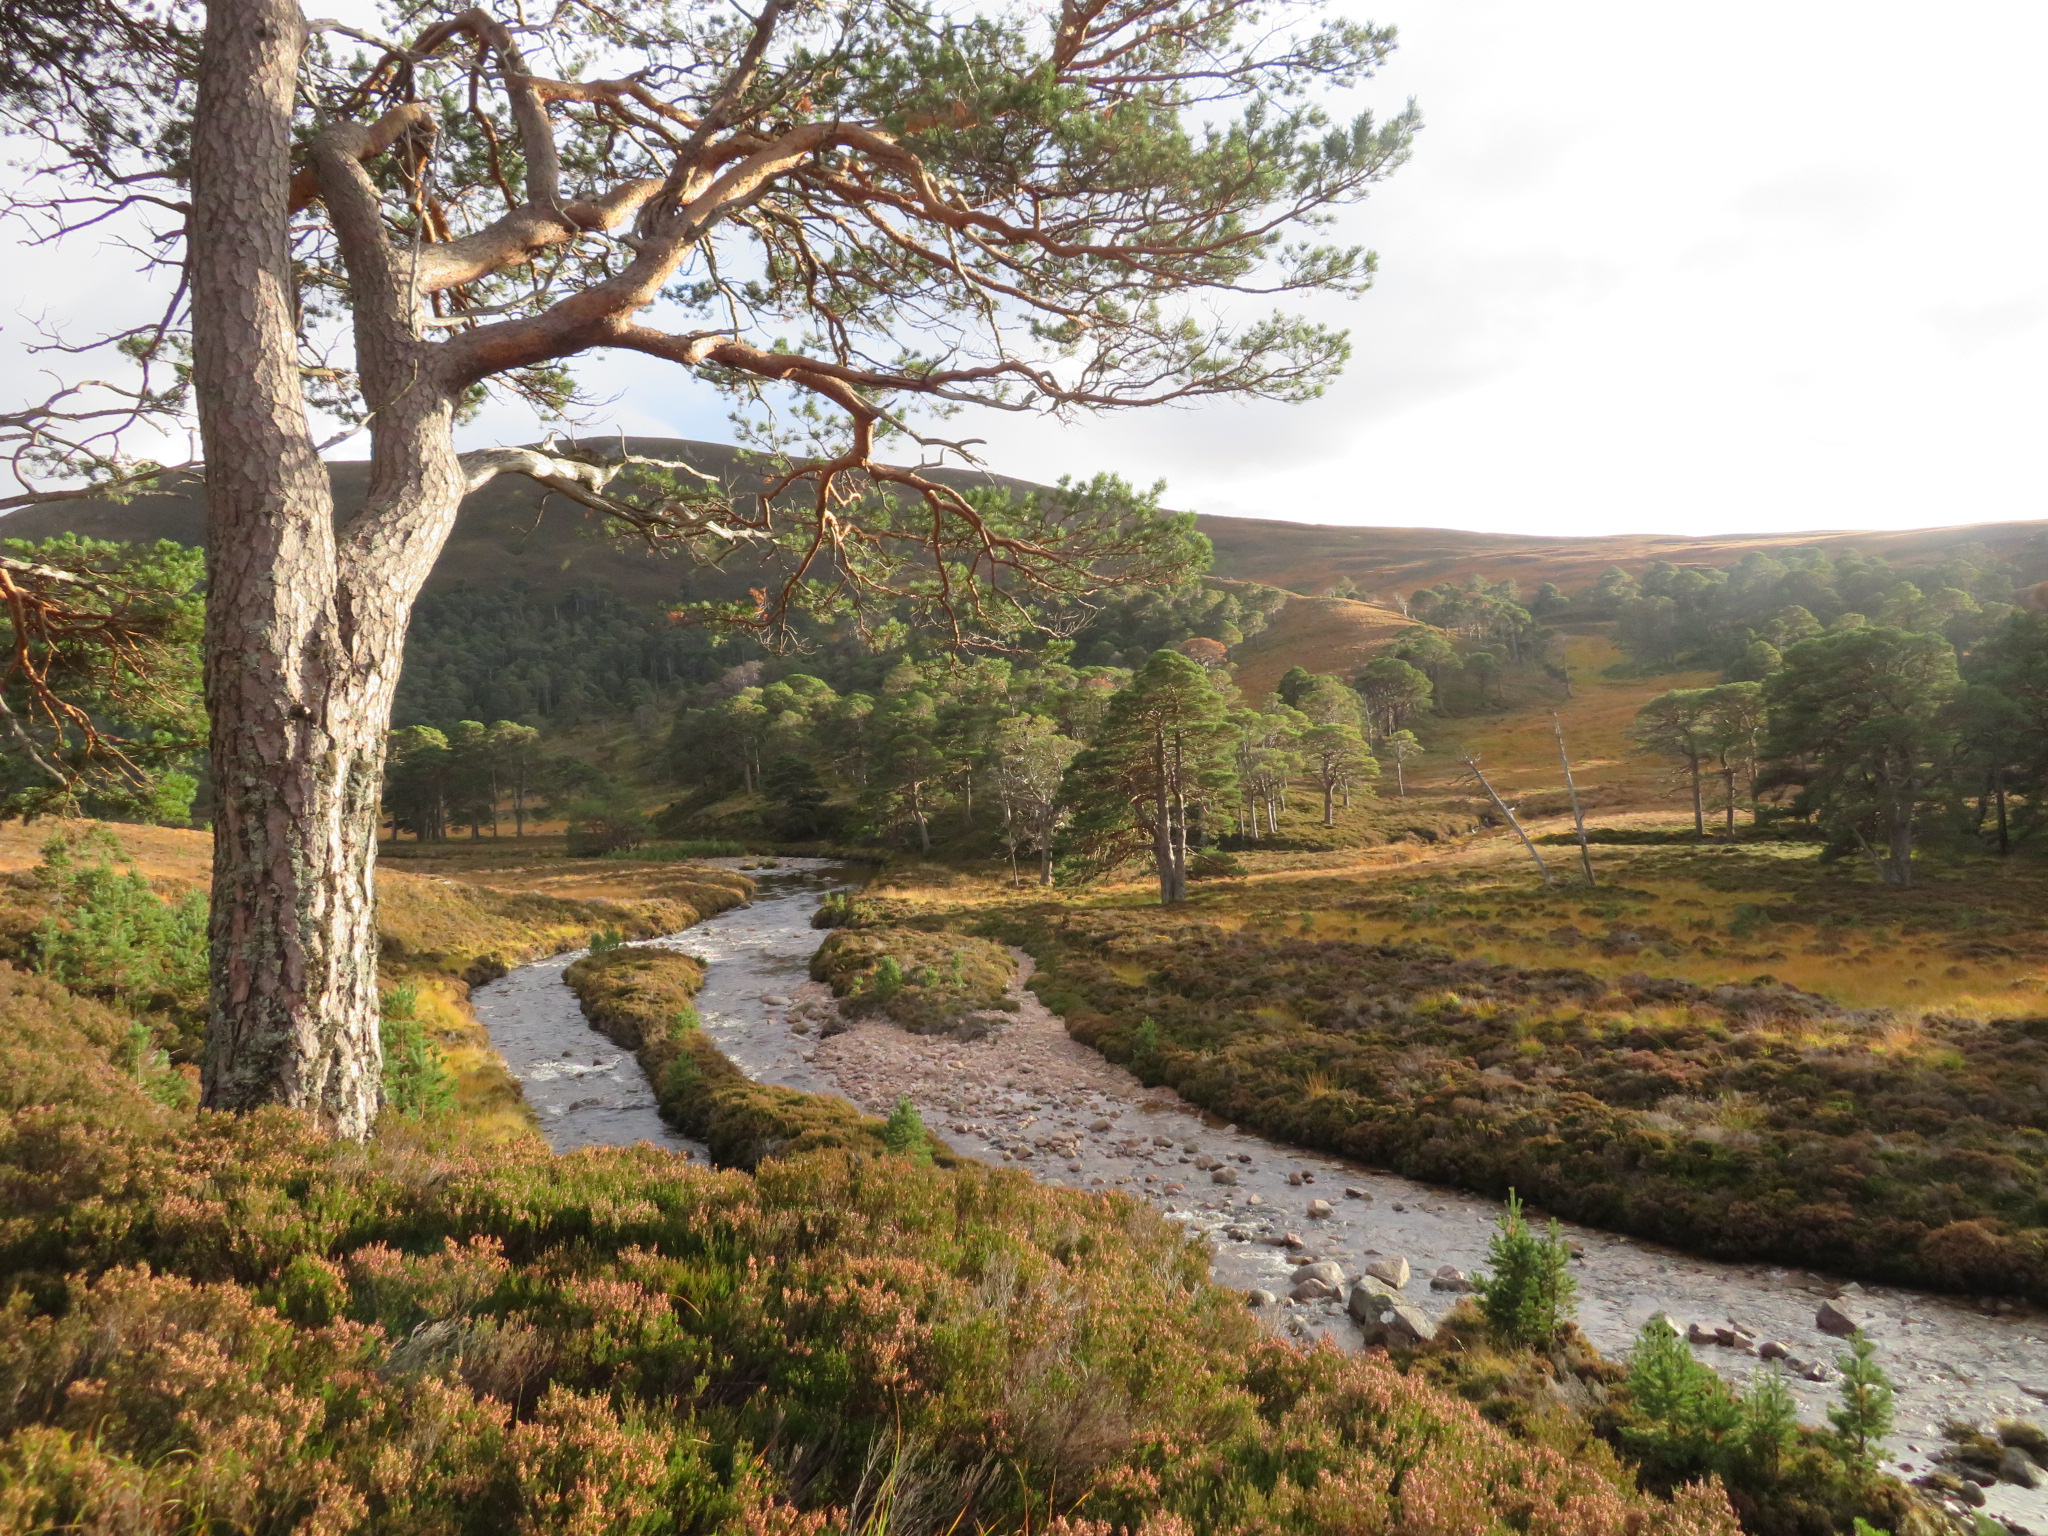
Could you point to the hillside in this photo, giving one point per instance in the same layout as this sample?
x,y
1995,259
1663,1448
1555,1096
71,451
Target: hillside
x,y
1323,634
511,531
1307,557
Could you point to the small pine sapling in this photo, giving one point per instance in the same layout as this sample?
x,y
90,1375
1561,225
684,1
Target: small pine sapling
x,y
1527,1294
417,1084
1770,1421
905,1135
1864,1415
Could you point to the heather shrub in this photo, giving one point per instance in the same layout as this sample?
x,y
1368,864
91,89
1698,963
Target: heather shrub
x,y
924,981
1739,1120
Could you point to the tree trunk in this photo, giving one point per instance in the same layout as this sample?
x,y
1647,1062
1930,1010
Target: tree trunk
x,y
1699,810
1329,804
1162,823
292,1013
1400,779
1728,781
1571,787
305,628
1045,864
2004,842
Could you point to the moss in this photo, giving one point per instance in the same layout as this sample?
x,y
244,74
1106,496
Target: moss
x,y
923,980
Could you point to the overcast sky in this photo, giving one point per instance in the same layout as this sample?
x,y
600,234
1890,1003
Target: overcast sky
x,y
1652,268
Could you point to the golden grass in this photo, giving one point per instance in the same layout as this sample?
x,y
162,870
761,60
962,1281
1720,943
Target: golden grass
x,y
1323,634
1518,749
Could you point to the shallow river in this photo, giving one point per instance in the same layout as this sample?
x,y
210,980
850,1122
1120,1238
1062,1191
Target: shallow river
x,y
1029,1094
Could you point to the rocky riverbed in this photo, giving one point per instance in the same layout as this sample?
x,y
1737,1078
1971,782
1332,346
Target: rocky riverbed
x,y
1030,1095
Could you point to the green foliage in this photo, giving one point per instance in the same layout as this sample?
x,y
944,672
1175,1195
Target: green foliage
x,y
109,935
1162,758
904,1134
101,681
416,1082
1695,615
1863,1417
1679,1422
1526,1294
1861,717
605,940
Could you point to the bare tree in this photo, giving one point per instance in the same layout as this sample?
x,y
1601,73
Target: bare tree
x,y
866,208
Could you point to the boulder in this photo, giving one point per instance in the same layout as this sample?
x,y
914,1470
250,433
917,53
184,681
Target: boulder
x,y
1292,1240
1449,1277
1384,1318
1311,1289
1835,1318
1329,1271
1223,1176
1294,1179
1098,1125
1353,1192
1261,1298
1393,1272
1695,1334
1319,1210
1774,1349
2016,1466
979,1025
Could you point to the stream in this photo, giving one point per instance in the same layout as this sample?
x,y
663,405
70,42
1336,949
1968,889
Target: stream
x,y
1029,1094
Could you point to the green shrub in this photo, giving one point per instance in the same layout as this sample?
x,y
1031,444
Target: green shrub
x,y
416,1082
905,1135
1527,1293
605,940
110,936
1864,1416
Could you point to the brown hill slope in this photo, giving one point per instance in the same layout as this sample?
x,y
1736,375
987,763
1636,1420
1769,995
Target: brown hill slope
x,y
1323,634
1307,557
510,529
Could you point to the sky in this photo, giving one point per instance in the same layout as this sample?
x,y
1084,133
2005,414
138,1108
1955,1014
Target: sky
x,y
1652,268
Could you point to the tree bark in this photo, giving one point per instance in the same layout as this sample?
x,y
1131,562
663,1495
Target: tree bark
x,y
305,628
292,1011
1699,810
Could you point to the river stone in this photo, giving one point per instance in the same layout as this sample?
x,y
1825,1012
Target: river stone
x,y
1098,1125
1353,1192
1311,1289
1449,1277
775,1002
1319,1210
979,1024
1384,1318
1695,1334
1223,1176
1393,1272
1329,1271
1835,1318
1294,1179
1774,1349
2016,1466
1261,1298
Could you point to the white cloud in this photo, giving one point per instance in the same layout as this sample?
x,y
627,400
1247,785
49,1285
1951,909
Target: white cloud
x,y
1652,267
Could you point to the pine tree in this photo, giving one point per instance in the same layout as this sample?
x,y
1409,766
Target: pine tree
x,y
1162,756
1864,1415
1527,1293
905,1135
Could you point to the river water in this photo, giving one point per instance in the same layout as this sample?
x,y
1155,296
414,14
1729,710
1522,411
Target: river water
x,y
1031,1095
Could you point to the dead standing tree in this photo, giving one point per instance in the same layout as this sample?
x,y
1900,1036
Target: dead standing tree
x,y
870,207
